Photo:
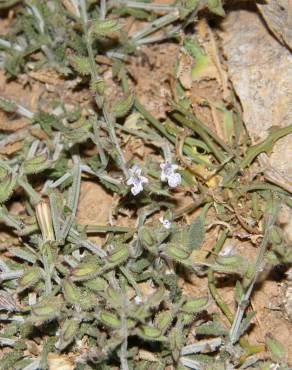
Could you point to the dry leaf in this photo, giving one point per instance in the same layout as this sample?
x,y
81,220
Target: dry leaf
x,y
146,355
12,148
47,76
59,362
7,302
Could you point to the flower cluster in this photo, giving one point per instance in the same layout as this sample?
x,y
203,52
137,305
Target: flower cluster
x,y
136,180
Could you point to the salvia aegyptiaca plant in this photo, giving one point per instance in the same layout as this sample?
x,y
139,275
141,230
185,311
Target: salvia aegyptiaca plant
x,y
67,302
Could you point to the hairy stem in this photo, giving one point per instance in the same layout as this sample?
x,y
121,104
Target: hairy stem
x,y
99,100
211,281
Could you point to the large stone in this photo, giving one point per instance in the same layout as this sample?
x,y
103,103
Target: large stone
x,y
260,68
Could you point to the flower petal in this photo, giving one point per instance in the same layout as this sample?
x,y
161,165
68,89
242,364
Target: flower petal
x,y
174,180
136,189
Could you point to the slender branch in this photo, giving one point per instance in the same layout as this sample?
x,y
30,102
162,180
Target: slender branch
x,y
244,301
102,11
143,5
95,229
99,100
155,25
211,281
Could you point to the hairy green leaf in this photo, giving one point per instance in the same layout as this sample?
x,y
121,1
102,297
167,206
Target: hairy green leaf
x,y
123,106
105,27
81,64
71,292
275,348
196,234
29,278
7,186
211,329
47,309
7,105
36,164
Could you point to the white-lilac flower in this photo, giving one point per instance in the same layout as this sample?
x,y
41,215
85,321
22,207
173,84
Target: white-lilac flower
x,y
138,299
167,170
168,174
136,180
274,367
166,223
174,180
228,250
